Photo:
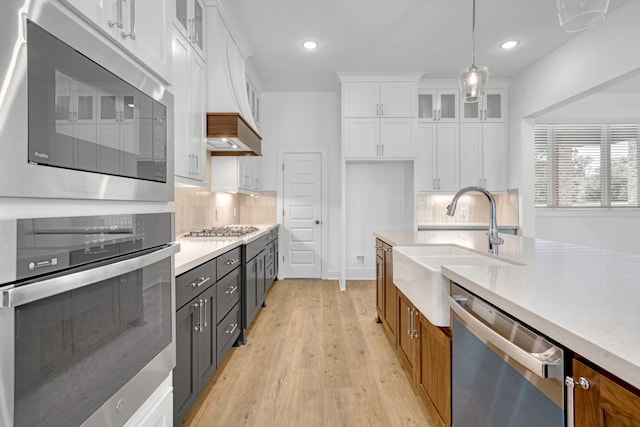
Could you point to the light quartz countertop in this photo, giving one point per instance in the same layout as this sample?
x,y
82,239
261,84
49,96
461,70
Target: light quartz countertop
x,y
197,250
584,298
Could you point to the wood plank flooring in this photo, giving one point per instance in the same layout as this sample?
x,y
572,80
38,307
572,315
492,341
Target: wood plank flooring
x,y
314,357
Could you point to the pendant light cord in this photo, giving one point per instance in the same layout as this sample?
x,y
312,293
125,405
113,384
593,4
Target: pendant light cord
x,y
473,36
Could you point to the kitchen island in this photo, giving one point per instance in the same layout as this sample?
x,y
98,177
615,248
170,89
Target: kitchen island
x,y
583,298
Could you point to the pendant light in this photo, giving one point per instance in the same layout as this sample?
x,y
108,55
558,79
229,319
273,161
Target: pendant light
x,y
474,79
578,15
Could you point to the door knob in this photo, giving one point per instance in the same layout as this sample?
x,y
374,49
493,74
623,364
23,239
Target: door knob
x,y
317,221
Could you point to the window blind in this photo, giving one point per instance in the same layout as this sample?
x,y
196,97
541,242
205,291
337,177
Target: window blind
x,y
586,165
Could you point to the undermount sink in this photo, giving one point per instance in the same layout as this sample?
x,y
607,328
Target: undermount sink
x,y
416,272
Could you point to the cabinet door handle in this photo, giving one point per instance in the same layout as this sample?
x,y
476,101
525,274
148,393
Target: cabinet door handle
x,y
196,307
118,21
377,109
231,290
435,115
205,314
439,115
231,329
382,109
409,322
416,335
381,150
232,261
570,384
132,27
200,282
412,325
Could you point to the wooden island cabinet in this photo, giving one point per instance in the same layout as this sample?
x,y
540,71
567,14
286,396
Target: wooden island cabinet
x,y
386,290
434,376
603,400
423,348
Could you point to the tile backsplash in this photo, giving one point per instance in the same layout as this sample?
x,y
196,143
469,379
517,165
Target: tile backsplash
x,y
197,208
471,209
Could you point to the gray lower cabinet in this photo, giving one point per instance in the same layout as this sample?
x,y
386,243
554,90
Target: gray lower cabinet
x,y
254,287
208,301
196,355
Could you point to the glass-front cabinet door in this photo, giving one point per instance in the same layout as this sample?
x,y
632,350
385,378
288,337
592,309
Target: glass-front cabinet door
x,y
491,108
438,105
190,22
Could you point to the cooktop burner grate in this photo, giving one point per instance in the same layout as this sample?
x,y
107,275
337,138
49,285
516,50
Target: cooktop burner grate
x,y
224,231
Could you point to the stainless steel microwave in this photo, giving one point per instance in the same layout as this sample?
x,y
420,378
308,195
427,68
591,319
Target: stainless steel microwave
x,y
78,118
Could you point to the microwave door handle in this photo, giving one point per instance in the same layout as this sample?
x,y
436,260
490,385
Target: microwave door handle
x,y
57,285
526,359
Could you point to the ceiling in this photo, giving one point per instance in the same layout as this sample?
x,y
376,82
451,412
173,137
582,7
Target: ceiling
x,y
433,36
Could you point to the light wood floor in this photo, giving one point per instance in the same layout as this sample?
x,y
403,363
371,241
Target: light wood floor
x,y
314,357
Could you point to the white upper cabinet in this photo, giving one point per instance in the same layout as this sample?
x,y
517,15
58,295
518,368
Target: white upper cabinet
x,y
190,21
139,27
189,113
438,105
379,119
483,155
236,174
374,99
436,163
492,107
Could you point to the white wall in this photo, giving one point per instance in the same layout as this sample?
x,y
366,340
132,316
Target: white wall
x,y
580,67
305,119
379,197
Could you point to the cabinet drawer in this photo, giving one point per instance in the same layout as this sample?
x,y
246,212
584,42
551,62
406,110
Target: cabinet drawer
x,y
228,332
255,247
193,282
227,262
228,290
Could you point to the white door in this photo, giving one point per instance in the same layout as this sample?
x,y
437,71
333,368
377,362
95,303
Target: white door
x,y
302,199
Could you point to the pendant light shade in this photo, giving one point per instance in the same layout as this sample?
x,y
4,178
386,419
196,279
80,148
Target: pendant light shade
x,y
474,79
578,15
472,83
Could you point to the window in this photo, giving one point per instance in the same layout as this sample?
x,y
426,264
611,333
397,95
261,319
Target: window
x,y
586,165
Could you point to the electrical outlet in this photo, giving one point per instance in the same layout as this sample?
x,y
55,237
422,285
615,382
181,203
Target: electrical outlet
x,y
360,259
234,212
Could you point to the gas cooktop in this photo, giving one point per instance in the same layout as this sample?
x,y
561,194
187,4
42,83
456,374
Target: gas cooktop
x,y
224,231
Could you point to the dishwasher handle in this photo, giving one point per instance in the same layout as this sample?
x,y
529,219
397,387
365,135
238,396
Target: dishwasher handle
x,y
534,362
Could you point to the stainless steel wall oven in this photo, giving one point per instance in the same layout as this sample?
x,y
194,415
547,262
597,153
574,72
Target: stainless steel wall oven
x,y
78,119
86,308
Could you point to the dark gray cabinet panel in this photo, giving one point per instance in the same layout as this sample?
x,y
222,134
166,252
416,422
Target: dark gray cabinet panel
x,y
251,292
228,290
206,337
229,331
227,262
185,379
261,277
190,284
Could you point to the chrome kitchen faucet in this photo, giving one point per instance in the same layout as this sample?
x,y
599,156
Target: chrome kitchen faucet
x,y
494,240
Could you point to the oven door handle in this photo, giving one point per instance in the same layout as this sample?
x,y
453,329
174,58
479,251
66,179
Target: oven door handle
x,y
534,362
46,288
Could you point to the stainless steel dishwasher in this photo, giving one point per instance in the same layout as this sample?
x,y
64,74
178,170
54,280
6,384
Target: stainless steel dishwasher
x,y
503,373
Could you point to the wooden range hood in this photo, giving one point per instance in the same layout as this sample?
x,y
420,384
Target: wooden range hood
x,y
226,129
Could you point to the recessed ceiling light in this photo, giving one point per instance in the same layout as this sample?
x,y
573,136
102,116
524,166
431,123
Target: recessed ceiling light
x,y
310,44
509,44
